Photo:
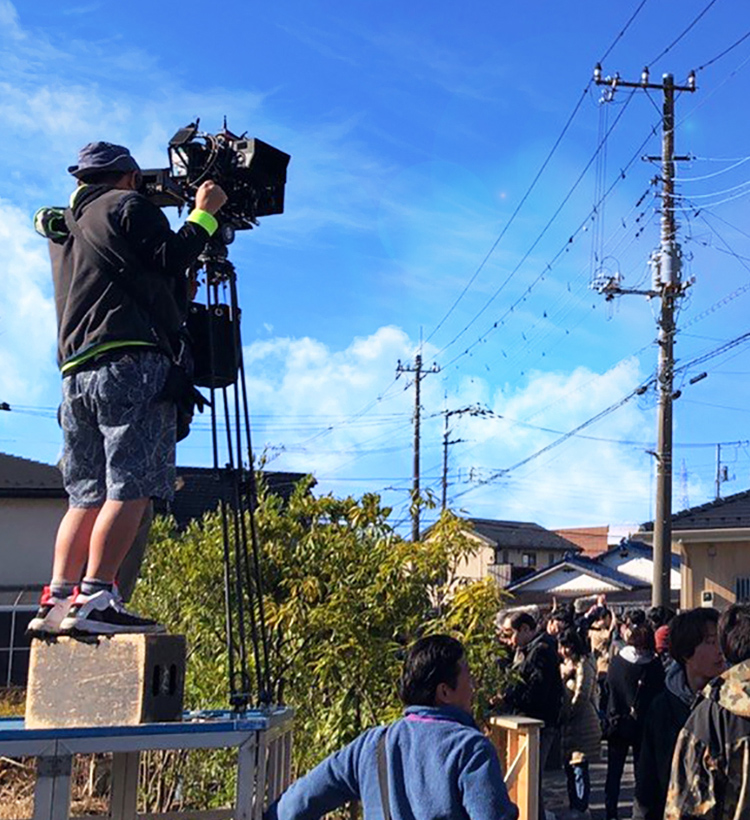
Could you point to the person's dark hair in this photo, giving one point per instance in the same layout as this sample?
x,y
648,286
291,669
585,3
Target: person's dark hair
x,y
102,177
688,629
734,633
518,619
599,613
636,619
431,661
659,616
570,639
562,614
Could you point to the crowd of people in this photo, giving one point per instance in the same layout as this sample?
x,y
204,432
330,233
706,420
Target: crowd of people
x,y
672,690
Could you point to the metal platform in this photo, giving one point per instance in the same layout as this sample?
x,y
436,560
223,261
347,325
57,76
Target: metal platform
x,y
263,739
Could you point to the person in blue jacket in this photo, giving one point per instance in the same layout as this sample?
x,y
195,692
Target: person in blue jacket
x,y
432,763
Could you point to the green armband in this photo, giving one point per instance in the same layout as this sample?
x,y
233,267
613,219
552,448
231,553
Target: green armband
x,y
206,220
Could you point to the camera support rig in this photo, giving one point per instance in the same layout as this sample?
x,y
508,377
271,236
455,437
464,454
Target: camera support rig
x,y
253,175
245,626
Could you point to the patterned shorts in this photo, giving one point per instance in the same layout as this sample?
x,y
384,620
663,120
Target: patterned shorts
x,y
119,441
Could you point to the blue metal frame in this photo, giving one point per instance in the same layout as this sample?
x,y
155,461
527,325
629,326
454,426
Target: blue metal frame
x,y
252,733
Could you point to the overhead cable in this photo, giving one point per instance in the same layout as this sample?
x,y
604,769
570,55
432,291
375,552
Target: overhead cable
x,y
725,52
544,230
531,187
680,36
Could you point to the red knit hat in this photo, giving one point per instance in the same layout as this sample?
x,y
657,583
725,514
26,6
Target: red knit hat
x,y
661,638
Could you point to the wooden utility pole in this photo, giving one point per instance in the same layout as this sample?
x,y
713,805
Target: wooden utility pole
x,y
472,410
446,443
419,374
667,286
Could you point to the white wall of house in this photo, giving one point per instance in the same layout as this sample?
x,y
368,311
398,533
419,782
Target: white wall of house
x,y
638,566
568,581
27,537
585,583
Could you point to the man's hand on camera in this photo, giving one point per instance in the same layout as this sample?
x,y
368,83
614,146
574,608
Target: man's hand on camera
x,y
210,197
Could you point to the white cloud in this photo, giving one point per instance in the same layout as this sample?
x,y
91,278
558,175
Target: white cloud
x,y
9,26
27,317
307,399
582,481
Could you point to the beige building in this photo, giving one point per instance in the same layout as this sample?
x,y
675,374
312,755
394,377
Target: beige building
x,y
509,550
713,541
32,502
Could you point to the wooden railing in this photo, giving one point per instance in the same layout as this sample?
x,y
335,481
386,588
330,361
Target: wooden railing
x,y
517,742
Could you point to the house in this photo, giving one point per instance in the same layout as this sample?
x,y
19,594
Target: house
x,y
623,573
713,541
32,502
508,550
199,491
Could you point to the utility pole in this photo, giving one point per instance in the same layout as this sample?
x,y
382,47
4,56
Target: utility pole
x,y
472,410
419,374
718,471
446,443
667,286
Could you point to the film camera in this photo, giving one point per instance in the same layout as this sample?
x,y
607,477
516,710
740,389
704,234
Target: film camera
x,y
251,172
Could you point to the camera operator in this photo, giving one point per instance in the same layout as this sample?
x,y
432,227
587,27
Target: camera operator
x,y
121,293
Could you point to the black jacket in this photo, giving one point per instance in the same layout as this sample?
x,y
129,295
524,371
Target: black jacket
x,y
632,687
539,692
666,716
92,308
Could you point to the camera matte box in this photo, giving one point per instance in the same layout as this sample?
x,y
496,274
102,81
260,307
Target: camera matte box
x,y
118,680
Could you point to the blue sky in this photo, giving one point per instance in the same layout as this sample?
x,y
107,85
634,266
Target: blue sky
x,y
415,132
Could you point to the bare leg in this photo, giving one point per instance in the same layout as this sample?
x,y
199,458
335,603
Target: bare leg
x,y
72,543
112,536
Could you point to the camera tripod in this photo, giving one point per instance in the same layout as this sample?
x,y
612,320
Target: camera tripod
x,y
246,634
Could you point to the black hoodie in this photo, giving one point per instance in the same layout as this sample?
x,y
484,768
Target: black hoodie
x,y
93,308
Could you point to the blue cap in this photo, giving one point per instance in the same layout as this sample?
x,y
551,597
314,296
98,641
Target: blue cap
x,y
103,156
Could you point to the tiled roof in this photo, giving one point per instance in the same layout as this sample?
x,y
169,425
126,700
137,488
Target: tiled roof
x,y
724,513
639,548
592,540
200,491
521,535
23,478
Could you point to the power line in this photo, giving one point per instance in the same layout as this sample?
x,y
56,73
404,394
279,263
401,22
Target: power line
x,y
621,175
515,212
539,173
638,391
680,36
735,164
725,52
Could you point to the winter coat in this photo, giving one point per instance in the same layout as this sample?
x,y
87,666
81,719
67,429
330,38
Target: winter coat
x,y
580,730
633,681
538,694
666,716
94,310
711,764
439,765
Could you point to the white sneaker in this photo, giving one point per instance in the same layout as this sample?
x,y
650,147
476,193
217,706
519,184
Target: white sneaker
x,y
103,613
50,615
